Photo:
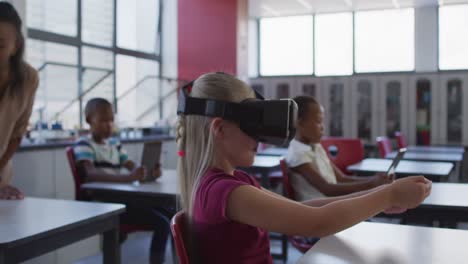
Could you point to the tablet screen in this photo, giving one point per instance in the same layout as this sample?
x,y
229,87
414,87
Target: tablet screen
x,y
151,156
391,170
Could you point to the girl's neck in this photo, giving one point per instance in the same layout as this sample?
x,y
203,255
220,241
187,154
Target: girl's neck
x,y
223,164
303,139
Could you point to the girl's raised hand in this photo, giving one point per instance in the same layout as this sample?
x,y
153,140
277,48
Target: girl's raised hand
x,y
409,192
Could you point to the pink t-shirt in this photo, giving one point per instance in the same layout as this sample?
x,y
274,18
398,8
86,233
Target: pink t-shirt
x,y
217,238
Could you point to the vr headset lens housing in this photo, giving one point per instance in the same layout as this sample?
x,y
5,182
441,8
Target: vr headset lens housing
x,y
268,121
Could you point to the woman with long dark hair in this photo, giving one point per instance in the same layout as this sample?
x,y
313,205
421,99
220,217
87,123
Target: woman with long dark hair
x,y
18,84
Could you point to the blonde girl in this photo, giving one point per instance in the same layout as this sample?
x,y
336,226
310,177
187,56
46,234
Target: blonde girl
x,y
230,215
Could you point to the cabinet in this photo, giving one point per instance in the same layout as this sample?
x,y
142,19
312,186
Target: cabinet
x,y
365,108
453,128
336,92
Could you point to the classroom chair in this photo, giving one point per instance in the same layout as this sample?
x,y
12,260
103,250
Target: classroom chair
x,y
299,242
401,140
384,145
125,229
179,235
76,178
348,151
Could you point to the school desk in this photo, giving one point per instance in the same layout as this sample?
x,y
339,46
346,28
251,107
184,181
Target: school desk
x,y
435,171
35,226
371,243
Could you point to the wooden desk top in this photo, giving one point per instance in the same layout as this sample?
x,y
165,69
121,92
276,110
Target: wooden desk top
x,y
266,162
436,149
168,184
273,152
31,218
429,156
405,167
371,243
448,195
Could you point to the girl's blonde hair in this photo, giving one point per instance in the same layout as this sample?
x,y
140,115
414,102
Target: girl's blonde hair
x,y
193,134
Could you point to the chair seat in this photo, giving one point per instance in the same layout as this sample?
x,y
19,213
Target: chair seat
x,y
301,243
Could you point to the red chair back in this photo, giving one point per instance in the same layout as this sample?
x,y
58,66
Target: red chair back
x,y
287,187
384,145
401,140
179,233
299,242
349,151
76,178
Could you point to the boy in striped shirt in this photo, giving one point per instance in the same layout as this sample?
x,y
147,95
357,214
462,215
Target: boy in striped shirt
x,y
100,157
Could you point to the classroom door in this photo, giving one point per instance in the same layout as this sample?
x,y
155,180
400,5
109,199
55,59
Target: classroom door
x,y
364,108
453,109
423,109
337,106
393,105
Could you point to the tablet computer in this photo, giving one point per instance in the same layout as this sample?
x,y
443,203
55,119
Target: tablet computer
x,y
150,158
391,170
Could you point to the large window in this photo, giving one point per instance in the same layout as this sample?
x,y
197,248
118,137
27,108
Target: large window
x,y
98,21
55,16
334,44
384,40
79,59
286,46
453,37
137,25
343,43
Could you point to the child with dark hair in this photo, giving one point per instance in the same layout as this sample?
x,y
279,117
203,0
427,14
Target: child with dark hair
x,y
18,85
313,174
100,157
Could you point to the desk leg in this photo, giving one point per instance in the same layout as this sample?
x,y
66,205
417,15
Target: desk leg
x,y
265,180
2,257
111,246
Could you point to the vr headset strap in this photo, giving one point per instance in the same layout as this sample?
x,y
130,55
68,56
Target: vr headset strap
x,y
212,108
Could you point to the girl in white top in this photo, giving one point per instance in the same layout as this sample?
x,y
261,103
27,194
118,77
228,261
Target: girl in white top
x,y
313,174
18,84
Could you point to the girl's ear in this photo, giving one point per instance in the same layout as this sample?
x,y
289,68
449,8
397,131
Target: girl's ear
x,y
217,127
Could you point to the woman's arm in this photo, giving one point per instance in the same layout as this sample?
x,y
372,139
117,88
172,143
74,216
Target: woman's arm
x,y
13,145
253,206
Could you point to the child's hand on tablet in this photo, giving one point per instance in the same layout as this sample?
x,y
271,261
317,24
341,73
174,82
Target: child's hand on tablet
x,y
382,178
157,171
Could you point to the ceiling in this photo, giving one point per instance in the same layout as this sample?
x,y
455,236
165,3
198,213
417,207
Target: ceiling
x,y
271,8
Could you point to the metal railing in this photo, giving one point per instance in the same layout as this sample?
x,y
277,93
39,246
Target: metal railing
x,y
93,86
108,73
161,99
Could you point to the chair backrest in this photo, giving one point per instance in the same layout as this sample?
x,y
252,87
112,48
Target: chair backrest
x,y
348,151
401,139
178,229
287,187
384,145
76,177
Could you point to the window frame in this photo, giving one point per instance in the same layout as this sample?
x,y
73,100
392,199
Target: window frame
x,y
354,73
77,41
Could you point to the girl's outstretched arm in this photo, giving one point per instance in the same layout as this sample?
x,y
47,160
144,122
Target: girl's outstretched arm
x,y
255,207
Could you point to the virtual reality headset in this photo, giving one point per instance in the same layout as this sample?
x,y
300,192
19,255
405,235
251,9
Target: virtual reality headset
x,y
268,121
